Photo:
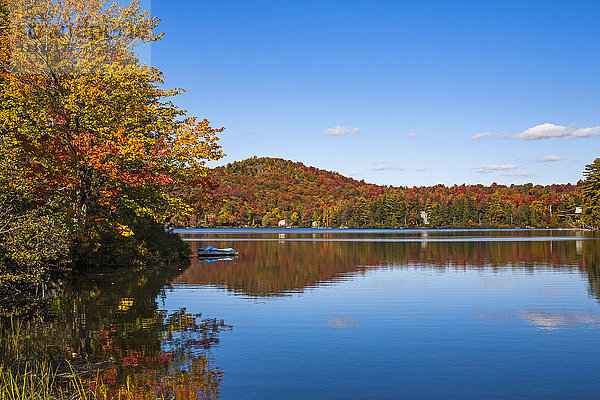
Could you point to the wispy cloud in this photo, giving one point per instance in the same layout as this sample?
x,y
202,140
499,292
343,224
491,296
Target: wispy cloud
x,y
518,175
341,131
549,159
586,132
486,135
481,136
423,170
545,131
413,135
384,167
495,168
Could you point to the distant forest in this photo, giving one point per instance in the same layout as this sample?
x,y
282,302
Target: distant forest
x,y
264,192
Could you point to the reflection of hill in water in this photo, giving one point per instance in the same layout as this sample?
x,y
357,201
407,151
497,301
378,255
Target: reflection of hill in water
x,y
267,268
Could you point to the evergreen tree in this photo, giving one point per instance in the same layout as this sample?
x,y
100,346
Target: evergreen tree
x,y
591,194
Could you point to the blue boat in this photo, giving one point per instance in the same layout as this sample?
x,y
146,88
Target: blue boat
x,y
214,252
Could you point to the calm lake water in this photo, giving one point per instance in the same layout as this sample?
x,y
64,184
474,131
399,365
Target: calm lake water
x,y
377,314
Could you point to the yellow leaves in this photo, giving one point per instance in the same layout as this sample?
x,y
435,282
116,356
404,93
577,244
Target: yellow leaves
x,y
125,303
80,36
124,230
195,142
92,125
179,206
538,206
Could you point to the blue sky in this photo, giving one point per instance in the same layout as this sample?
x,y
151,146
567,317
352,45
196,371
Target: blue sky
x,y
394,92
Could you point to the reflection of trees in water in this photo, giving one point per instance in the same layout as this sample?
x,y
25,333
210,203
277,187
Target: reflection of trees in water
x,y
111,322
267,268
591,260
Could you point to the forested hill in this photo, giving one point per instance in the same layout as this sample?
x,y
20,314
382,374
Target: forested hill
x,y
277,179
263,191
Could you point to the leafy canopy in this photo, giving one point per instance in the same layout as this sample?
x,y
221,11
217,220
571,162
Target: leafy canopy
x,y
88,123
591,193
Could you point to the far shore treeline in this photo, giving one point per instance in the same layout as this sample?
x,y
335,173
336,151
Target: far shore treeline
x,y
272,192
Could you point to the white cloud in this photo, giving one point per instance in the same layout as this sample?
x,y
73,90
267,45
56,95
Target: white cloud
x,y
341,131
586,132
484,135
494,168
481,136
413,135
386,168
549,159
545,131
518,175
423,170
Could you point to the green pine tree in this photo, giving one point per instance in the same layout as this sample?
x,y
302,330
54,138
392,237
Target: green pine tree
x,y
591,194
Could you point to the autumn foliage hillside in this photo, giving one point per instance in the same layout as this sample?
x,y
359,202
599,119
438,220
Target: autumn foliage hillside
x,y
264,191
268,183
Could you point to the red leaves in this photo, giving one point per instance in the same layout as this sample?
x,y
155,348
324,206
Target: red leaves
x,y
292,187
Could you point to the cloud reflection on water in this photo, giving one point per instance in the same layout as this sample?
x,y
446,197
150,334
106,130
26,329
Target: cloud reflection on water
x,y
547,320
342,321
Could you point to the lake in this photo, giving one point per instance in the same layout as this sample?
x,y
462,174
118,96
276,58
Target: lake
x,y
349,314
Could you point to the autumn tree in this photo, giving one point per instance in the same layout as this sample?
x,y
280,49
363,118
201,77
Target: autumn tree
x,y
89,127
591,194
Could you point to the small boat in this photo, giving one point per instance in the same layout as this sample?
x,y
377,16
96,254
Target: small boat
x,y
215,259
213,252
